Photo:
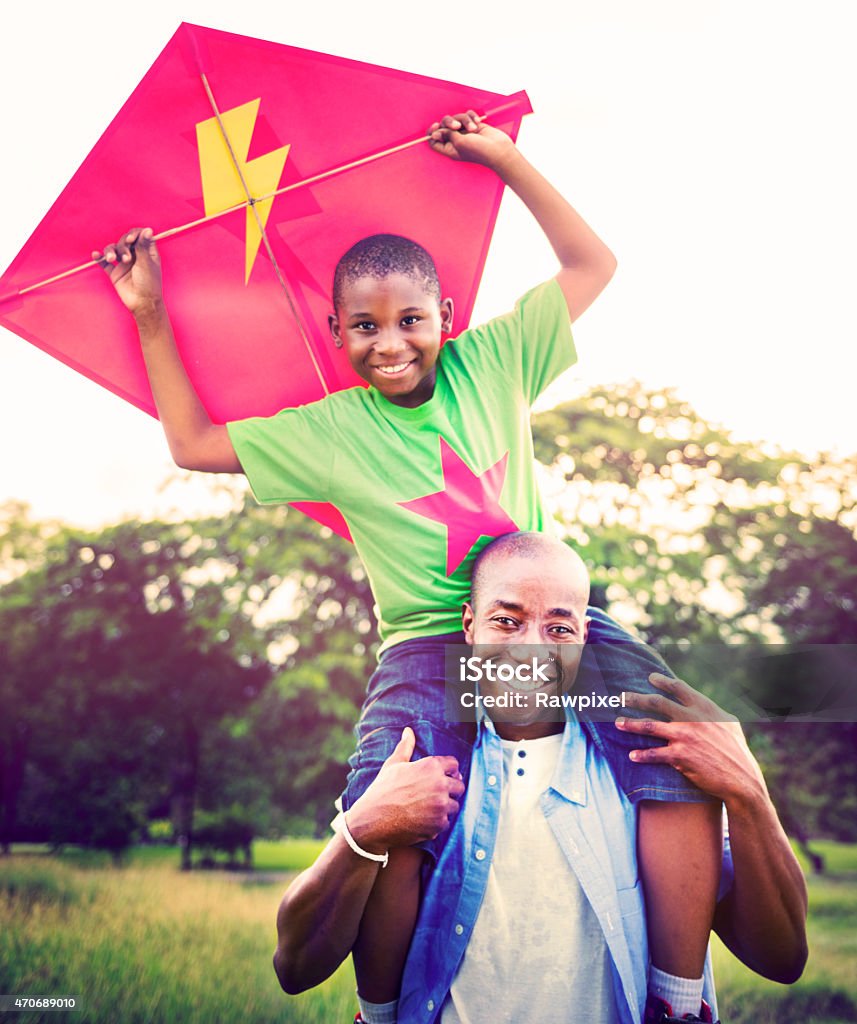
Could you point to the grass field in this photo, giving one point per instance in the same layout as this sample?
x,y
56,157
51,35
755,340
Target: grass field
x,y
148,943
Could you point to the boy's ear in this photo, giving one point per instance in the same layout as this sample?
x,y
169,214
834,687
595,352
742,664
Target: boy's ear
x,y
447,312
333,326
467,621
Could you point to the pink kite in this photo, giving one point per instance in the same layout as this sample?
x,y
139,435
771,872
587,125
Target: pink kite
x,y
258,164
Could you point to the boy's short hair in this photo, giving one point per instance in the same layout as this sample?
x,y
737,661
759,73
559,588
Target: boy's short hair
x,y
379,256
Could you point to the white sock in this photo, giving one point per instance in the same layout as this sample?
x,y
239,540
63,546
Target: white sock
x,y
683,994
378,1013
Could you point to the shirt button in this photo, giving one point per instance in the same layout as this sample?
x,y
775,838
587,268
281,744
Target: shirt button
x,y
480,855
492,780
459,929
522,753
520,771
430,1005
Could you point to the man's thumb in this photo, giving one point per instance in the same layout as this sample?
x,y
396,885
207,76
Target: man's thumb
x,y
405,747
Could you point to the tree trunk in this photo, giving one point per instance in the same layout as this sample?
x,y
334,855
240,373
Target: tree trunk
x,y
13,759
184,800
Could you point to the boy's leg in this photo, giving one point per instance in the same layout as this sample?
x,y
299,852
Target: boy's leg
x,y
407,689
614,660
388,926
680,851
680,845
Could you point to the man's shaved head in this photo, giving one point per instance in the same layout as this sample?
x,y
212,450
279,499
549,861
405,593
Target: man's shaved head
x,y
532,547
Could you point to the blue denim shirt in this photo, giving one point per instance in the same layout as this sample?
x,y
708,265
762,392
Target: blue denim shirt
x,y
596,827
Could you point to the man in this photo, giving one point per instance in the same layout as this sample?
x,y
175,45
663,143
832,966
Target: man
x,y
534,912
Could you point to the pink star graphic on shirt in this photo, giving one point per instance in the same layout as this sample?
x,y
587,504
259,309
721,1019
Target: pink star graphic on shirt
x,y
468,506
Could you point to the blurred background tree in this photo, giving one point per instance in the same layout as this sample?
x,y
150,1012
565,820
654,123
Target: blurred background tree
x,y
216,667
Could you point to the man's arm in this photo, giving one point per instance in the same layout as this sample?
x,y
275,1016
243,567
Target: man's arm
x,y
320,914
134,268
586,262
762,919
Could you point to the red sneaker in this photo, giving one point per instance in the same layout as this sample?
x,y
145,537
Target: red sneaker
x,y
658,1011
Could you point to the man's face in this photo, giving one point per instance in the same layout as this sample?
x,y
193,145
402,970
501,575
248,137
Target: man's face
x,y
391,329
529,607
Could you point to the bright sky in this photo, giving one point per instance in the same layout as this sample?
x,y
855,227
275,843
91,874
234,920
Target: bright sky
x,y
711,145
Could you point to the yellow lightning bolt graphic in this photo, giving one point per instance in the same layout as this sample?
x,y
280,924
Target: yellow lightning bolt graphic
x,y
221,183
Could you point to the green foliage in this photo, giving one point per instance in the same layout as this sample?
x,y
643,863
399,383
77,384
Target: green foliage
x,y
228,831
162,670
144,651
695,538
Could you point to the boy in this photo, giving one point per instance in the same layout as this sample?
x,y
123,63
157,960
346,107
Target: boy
x,y
427,465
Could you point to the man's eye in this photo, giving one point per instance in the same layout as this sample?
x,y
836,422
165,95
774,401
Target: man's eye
x,y
504,620
562,631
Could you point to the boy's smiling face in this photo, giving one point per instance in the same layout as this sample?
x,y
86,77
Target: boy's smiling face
x,y
391,329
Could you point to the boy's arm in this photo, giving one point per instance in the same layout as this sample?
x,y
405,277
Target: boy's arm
x,y
762,918
586,262
319,917
134,268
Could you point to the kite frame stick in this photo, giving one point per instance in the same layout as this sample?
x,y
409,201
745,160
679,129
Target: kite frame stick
x,y
251,203
321,176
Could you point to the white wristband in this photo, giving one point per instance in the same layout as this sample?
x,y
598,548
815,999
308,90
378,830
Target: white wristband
x,y
381,858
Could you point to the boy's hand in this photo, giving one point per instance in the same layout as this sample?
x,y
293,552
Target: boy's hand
x,y
467,137
134,268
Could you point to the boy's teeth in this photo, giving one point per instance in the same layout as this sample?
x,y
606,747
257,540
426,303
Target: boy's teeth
x,y
392,369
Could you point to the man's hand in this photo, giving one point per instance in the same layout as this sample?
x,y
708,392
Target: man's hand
x,y
134,268
467,137
408,801
705,744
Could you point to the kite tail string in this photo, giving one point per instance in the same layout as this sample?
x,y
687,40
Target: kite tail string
x,y
251,202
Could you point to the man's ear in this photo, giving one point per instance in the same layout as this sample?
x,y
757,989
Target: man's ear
x,y
447,313
586,622
467,618
333,327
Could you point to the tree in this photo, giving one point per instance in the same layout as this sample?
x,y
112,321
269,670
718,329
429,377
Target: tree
x,y
697,539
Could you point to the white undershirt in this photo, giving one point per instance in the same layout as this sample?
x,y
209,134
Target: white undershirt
x,y
537,952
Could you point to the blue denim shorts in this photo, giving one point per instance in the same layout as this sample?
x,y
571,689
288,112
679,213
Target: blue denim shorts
x,y
408,688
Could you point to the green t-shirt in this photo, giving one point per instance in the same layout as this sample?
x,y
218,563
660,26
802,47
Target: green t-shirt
x,y
424,489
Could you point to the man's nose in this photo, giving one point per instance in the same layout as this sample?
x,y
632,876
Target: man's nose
x,y
531,642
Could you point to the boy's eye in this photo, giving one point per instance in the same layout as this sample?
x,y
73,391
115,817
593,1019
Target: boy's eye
x,y
364,325
409,321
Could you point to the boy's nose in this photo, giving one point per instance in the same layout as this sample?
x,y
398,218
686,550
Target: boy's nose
x,y
390,343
